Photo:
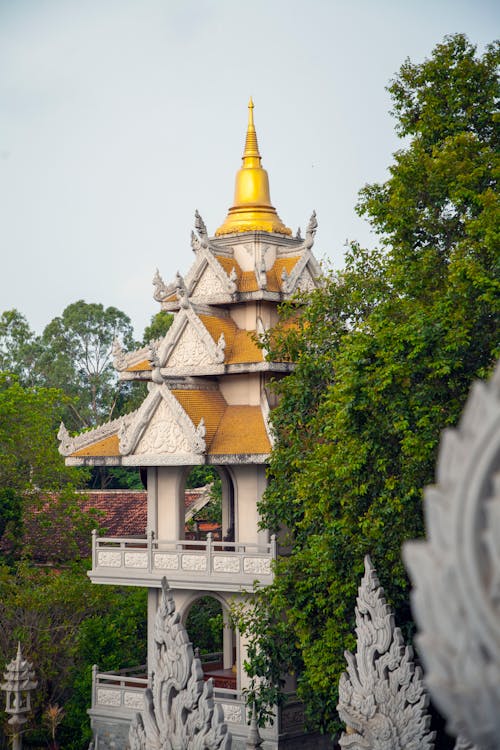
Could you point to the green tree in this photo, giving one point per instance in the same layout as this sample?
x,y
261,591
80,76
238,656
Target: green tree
x,y
76,357
385,354
18,346
160,323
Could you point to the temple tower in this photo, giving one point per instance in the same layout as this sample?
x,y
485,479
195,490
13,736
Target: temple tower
x,y
208,403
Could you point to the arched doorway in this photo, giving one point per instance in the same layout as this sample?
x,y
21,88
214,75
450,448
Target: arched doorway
x,y
207,623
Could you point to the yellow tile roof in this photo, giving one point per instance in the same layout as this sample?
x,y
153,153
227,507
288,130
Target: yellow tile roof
x,y
247,281
241,430
240,344
108,446
144,365
207,404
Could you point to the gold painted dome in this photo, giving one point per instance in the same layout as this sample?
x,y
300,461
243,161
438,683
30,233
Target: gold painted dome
x,y
252,210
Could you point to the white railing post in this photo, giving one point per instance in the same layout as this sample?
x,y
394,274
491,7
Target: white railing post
x,y
94,543
209,552
274,547
151,536
94,686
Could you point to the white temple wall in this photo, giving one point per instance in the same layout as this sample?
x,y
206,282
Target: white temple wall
x,y
170,502
241,389
250,483
245,315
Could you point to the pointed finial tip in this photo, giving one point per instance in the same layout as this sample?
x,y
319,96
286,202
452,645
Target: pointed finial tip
x,y
250,103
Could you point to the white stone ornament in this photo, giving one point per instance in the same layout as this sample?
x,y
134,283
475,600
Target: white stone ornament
x,y
456,573
179,712
382,699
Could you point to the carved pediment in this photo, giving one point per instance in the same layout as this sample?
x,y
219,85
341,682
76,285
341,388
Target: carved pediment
x,y
188,345
161,426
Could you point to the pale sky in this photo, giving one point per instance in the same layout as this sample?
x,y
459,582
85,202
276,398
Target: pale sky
x,y
119,118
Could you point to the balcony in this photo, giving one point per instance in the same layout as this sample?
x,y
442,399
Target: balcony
x,y
187,564
118,696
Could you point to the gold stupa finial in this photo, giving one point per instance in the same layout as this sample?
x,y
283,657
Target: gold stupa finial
x,y
252,209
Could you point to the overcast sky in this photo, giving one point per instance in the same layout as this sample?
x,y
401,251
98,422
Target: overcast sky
x,y
119,118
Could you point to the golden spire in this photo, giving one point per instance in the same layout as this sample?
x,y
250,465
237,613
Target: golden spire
x,y
252,210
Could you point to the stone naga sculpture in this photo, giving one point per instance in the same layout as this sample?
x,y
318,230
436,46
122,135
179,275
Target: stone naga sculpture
x,y
382,699
180,713
456,574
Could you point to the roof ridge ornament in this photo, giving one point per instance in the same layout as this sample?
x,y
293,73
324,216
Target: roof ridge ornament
x,y
252,210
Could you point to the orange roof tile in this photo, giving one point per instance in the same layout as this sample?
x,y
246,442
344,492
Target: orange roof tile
x,y
108,446
207,404
248,282
216,325
244,349
228,264
241,430
144,365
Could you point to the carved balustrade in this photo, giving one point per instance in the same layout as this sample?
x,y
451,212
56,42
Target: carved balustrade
x,y
230,566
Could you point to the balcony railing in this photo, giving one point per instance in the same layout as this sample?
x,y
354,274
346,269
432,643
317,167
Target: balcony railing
x,y
230,566
118,696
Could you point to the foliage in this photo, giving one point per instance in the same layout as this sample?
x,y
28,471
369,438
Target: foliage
x,y
160,323
76,357
204,624
18,346
385,354
65,624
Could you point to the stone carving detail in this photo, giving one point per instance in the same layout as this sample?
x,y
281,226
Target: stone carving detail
x,y
134,700
200,225
136,559
456,573
194,562
381,697
161,290
179,708
109,559
166,562
190,351
257,566
119,358
305,282
68,444
106,697
163,435
226,564
208,284
311,231
233,713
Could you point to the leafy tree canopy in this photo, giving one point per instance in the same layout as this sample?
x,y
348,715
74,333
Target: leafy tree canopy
x,y
386,352
160,323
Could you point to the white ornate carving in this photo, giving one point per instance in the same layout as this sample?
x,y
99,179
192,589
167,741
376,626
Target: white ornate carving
x,y
381,697
194,562
163,434
305,282
107,697
119,360
136,559
226,564
109,559
164,561
200,225
190,351
456,573
208,285
232,713
311,231
179,708
162,291
257,566
70,444
134,700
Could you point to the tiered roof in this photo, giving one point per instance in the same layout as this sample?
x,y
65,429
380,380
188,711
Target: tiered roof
x,y
186,417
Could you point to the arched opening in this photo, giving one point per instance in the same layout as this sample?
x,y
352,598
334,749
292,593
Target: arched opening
x,y
209,504
207,624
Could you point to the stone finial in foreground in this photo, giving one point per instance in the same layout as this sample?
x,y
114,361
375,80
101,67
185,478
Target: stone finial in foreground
x,y
180,711
456,573
382,699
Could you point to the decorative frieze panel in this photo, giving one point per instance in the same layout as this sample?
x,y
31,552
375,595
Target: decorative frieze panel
x,y
257,566
208,285
194,562
134,700
135,559
226,564
233,713
190,351
163,434
163,561
108,697
109,559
